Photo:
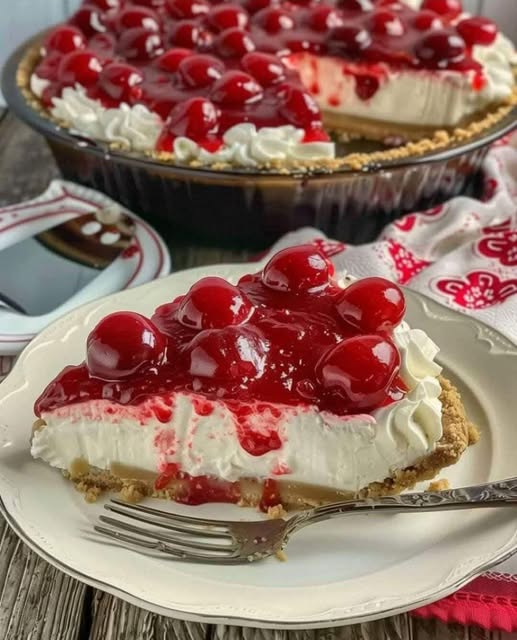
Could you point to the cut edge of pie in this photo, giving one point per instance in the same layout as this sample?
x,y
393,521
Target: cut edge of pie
x,y
420,141
133,485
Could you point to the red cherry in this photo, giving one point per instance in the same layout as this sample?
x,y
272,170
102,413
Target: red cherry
x,y
356,5
121,82
324,17
273,20
197,119
182,9
256,5
299,108
64,39
230,354
170,60
133,17
236,88
225,16
477,31
150,3
425,20
122,344
79,67
200,70
140,44
265,68
103,44
106,5
451,8
372,305
386,22
234,43
439,48
89,19
213,303
360,369
297,269
186,34
349,40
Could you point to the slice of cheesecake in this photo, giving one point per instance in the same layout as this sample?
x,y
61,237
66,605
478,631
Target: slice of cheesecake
x,y
291,388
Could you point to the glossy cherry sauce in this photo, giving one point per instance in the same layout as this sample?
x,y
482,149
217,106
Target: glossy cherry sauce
x,y
205,66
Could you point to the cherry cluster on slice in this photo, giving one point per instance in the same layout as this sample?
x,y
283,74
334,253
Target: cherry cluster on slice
x,y
206,66
289,334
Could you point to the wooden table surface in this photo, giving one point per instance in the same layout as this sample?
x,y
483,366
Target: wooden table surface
x,y
38,601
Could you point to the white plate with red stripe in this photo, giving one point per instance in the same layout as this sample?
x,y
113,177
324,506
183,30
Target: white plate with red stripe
x,y
48,287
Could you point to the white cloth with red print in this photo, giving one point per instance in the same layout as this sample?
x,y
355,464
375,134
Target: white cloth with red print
x,y
463,254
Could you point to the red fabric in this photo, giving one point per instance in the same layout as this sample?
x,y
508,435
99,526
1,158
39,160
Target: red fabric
x,y
489,602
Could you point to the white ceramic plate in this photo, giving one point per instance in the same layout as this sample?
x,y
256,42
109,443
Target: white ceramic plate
x,y
338,572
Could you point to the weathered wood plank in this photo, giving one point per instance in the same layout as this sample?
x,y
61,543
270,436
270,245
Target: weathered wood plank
x,y
36,600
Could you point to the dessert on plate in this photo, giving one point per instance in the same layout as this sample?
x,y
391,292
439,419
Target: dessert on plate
x,y
273,83
289,389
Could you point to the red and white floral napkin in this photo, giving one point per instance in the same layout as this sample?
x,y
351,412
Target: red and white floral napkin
x,y
464,255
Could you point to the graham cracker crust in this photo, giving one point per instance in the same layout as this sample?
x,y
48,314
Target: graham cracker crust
x,y
419,141
134,485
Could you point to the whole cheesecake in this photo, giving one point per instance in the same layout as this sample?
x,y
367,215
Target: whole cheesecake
x,y
274,83
289,389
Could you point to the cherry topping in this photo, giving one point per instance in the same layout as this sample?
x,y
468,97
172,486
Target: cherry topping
x,y
181,9
356,5
372,305
324,17
477,31
121,82
121,344
200,70
236,88
197,119
234,43
79,67
439,48
89,20
229,354
265,68
386,22
349,40
452,8
170,60
214,303
133,17
186,34
256,5
300,108
64,39
273,19
106,5
360,369
425,20
298,269
150,3
226,16
140,44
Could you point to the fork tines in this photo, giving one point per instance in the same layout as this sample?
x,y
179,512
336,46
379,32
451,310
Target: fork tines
x,y
161,533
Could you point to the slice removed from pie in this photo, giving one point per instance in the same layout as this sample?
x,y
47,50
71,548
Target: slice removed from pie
x,y
292,388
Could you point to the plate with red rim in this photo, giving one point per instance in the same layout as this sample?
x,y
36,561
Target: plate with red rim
x,y
339,572
65,282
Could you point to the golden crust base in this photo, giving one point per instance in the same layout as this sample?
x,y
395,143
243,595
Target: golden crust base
x,y
134,485
420,140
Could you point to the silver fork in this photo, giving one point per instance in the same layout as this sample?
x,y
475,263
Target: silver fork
x,y
236,542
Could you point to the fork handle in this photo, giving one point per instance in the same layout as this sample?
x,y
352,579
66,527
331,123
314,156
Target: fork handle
x,y
493,494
